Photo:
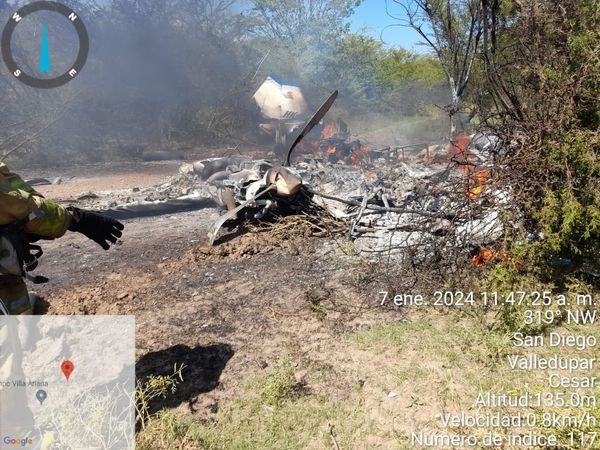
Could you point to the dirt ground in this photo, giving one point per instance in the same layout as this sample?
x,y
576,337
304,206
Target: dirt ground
x,y
79,181
226,312
261,300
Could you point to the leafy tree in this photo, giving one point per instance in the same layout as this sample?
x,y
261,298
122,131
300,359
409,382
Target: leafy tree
x,y
357,61
372,78
297,19
453,29
301,37
543,65
400,65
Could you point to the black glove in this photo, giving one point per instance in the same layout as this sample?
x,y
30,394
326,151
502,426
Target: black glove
x,y
98,227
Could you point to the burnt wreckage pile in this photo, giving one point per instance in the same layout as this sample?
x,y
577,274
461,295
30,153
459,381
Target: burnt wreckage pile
x,y
430,201
442,200
251,189
389,205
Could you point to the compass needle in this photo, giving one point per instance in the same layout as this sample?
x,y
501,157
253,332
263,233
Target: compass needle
x,y
45,51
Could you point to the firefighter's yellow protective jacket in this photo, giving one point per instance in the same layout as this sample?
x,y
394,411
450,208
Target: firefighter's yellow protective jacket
x,y
18,200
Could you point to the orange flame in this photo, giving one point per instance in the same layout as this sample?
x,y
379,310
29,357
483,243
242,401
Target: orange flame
x,y
369,175
458,147
477,182
483,256
329,130
359,155
432,154
309,145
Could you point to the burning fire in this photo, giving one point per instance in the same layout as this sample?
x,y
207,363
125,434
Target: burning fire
x,y
477,183
334,135
359,155
458,149
313,146
485,255
329,130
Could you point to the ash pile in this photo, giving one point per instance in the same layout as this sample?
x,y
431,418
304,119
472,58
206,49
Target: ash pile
x,y
393,206
390,202
431,201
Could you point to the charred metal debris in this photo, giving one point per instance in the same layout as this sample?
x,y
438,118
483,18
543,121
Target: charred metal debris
x,y
393,200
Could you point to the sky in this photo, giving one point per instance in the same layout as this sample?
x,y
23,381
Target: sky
x,y
372,15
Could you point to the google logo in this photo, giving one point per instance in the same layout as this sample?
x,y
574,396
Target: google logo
x,y
21,442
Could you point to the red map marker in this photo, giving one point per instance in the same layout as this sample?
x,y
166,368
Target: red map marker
x,y
67,368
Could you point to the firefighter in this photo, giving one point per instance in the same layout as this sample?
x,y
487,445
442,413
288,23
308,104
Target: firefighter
x,y
26,216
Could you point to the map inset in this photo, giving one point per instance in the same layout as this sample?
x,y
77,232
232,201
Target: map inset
x,y
67,382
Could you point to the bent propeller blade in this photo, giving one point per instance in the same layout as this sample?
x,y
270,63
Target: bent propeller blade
x,y
311,124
